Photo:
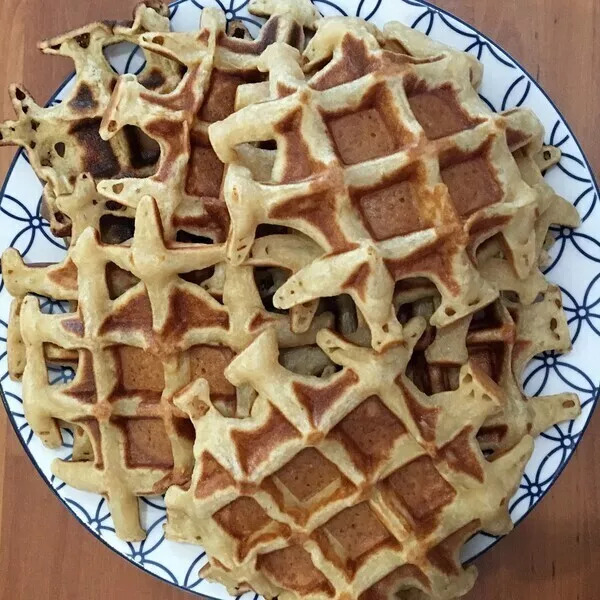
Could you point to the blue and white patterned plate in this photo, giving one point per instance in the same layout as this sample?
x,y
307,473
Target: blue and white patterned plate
x,y
575,267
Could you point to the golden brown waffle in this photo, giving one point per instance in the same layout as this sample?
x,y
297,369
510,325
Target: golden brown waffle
x,y
203,92
495,267
62,141
83,206
188,176
287,254
373,134
86,207
552,208
329,457
501,339
504,336
342,486
139,337
186,182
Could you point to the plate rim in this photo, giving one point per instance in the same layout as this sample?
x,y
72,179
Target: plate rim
x,y
596,400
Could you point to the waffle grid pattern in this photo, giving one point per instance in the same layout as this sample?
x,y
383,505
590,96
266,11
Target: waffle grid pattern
x,y
261,511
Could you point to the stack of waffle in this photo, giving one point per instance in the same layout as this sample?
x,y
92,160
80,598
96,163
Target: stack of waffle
x,y
303,273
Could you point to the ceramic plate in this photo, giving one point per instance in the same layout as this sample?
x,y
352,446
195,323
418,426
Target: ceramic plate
x,y
575,267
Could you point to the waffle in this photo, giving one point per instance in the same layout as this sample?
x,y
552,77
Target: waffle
x,y
496,268
62,141
135,345
552,208
188,176
306,313
359,483
358,139
501,340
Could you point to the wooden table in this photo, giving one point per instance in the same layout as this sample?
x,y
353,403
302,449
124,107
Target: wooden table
x,y
46,554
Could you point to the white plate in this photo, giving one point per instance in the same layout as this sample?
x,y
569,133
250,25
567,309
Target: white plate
x,y
575,267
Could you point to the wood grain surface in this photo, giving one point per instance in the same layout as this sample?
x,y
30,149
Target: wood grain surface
x,y
553,555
